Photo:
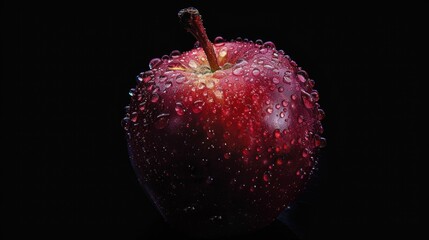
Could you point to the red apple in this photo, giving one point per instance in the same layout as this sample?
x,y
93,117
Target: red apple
x,y
223,137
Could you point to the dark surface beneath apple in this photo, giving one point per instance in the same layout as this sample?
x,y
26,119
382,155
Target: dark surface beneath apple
x,y
67,70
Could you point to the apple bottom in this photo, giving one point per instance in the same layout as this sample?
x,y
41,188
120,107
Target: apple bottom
x,y
218,208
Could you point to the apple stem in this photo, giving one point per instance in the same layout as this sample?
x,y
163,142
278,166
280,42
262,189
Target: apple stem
x,y
193,23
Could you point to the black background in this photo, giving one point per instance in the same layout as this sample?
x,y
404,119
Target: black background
x,y
67,69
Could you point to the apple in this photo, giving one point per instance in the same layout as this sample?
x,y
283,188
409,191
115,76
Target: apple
x,y
223,137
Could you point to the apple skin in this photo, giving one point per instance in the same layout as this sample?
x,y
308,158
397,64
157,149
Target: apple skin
x,y
225,152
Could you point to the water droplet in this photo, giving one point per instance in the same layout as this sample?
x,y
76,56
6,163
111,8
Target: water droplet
x,y
219,41
223,52
155,98
293,97
263,50
266,177
268,66
165,58
287,79
285,103
139,78
142,106
277,133
269,45
259,42
279,162
315,95
201,85
179,109
256,72
304,153
277,106
307,99
198,106
125,123
322,142
147,76
132,92
320,114
162,78
219,74
269,110
238,71
245,152
209,180
193,64
280,89
197,44
161,121
134,116
180,79
276,80
154,63
227,155
168,84
282,115
175,54
301,78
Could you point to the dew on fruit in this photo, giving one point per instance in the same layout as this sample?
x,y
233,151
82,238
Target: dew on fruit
x,y
282,115
285,103
197,106
154,98
219,41
154,63
268,66
307,99
320,114
162,78
256,72
276,80
293,97
175,54
277,133
263,50
132,92
219,74
223,51
168,84
134,116
269,45
287,79
161,121
142,106
305,153
193,64
165,58
279,162
238,71
266,177
125,123
180,79
179,109
259,42
280,89
269,110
